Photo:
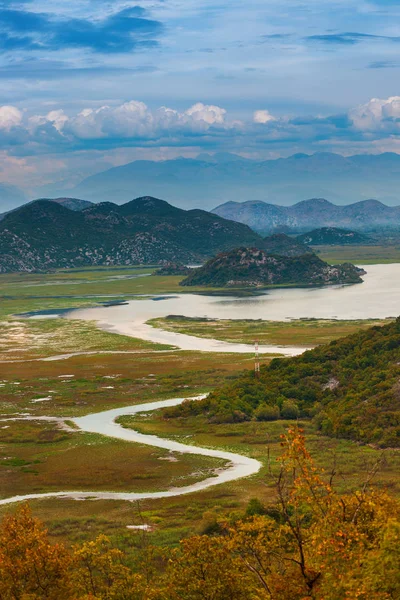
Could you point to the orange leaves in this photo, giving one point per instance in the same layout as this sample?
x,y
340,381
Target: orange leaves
x,y
317,544
99,571
29,566
206,569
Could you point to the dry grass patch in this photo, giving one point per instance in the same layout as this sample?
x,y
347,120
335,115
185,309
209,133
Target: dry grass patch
x,y
299,332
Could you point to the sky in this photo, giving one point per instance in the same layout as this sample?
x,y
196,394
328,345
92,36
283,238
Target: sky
x,y
90,84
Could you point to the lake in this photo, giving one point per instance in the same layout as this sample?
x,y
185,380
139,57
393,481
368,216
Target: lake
x,y
378,297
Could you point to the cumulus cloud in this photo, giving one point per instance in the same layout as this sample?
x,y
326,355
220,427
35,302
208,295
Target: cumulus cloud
x,y
131,123
10,117
208,114
377,114
135,120
263,116
134,124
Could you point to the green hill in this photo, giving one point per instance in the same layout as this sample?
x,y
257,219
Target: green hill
x,y
350,388
333,236
45,234
252,267
282,245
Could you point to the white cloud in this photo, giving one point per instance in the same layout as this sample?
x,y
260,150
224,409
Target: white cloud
x,y
58,118
263,116
135,119
10,116
134,124
208,113
377,114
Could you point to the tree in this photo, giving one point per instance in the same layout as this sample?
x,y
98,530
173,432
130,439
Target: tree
x,y
99,573
265,412
321,544
290,410
204,568
30,567
312,543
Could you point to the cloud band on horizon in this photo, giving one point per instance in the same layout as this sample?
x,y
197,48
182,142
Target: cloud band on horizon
x,y
133,124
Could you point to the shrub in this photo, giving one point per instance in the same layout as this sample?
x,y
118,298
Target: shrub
x,y
255,507
290,410
265,412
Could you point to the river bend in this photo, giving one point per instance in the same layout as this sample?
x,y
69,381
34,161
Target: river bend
x,y
104,423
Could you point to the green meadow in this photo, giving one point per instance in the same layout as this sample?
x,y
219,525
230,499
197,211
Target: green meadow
x,y
38,456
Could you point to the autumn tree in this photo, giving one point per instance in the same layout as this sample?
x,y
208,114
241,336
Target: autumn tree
x,y
321,544
99,573
30,567
204,568
316,543
312,543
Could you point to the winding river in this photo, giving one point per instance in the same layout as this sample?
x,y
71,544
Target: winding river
x,y
104,423
378,297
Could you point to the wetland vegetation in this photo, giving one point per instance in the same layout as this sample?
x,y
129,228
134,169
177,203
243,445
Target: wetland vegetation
x,y
298,332
40,456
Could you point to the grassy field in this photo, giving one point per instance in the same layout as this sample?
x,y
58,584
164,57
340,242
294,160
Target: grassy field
x,y
303,332
177,517
39,456
362,255
261,440
21,339
91,286
86,384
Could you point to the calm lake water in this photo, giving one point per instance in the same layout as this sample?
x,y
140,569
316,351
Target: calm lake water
x,y
377,297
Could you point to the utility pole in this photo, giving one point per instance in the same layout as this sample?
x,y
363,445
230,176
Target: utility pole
x,y
256,361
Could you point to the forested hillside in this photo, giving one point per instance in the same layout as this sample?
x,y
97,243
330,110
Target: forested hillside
x,y
334,236
350,387
252,267
46,234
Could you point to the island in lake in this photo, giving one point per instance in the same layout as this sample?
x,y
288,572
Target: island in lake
x,y
252,267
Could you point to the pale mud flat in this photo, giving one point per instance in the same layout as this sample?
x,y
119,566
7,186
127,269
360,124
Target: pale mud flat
x,y
378,297
104,423
58,357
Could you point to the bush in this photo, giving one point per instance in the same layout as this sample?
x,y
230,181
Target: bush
x,y
236,416
265,412
255,507
290,410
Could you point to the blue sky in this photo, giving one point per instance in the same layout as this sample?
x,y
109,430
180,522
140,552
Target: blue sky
x,y
87,84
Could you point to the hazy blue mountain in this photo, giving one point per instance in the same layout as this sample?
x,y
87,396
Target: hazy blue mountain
x,y
210,180
311,214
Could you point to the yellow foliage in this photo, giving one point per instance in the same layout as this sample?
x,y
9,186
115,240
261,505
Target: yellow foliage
x,y
31,568
317,544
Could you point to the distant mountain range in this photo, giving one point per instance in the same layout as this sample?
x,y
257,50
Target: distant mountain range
x,y
251,267
209,180
310,214
45,234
